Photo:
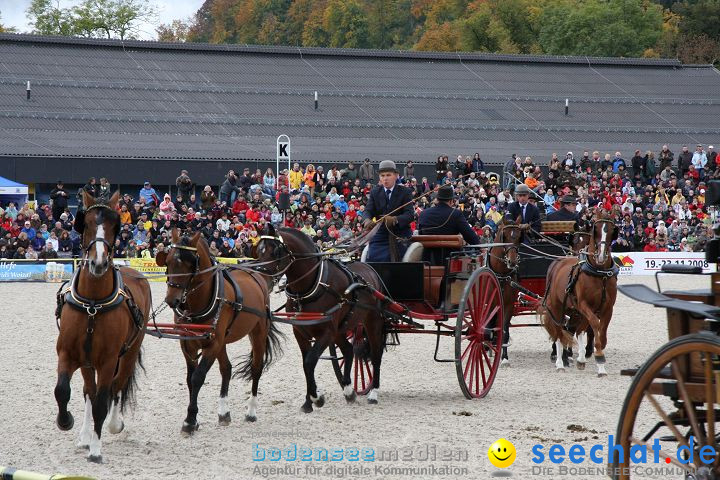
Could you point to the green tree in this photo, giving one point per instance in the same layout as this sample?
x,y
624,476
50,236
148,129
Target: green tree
x,y
346,24
92,18
699,17
177,31
49,19
613,28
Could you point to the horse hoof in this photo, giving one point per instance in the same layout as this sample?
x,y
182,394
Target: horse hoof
x,y
95,458
560,370
580,366
115,431
307,407
224,420
372,401
187,429
248,418
553,357
505,362
67,424
320,401
349,393
601,375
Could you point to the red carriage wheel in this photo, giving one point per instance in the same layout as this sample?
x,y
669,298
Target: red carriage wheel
x,y
479,334
361,370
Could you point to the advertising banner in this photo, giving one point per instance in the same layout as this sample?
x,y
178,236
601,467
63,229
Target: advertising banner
x,y
35,271
647,263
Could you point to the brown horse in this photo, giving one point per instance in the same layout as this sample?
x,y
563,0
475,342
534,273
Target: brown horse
x,y
504,262
102,315
235,303
318,284
581,293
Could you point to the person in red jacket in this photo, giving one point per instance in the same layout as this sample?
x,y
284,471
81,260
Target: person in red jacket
x,y
651,246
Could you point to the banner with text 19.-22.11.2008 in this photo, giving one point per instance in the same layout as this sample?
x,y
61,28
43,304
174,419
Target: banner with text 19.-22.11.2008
x,y
647,263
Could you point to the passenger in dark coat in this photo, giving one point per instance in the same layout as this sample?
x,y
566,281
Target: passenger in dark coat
x,y
444,219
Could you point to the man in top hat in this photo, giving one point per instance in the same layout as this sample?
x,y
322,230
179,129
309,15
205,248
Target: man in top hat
x,y
521,208
567,211
393,203
444,219
59,197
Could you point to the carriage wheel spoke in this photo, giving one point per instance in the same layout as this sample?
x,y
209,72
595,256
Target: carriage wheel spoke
x,y
710,401
482,368
687,402
469,378
668,422
689,467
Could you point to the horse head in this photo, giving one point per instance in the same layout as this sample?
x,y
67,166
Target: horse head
x,y
604,232
275,251
183,260
510,231
99,224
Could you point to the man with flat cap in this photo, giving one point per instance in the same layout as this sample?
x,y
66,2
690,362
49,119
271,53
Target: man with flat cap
x,y
567,211
444,219
393,203
522,208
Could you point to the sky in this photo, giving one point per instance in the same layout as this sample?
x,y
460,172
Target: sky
x,y
12,13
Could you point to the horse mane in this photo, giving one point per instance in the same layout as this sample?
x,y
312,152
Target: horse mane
x,y
300,236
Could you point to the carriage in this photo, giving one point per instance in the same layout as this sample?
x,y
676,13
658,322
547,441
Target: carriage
x,y
674,395
445,288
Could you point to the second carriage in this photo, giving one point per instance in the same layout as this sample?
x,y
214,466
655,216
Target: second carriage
x,y
448,289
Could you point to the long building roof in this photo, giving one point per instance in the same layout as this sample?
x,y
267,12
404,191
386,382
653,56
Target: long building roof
x,y
151,100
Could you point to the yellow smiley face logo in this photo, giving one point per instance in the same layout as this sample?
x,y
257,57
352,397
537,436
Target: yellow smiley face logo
x,y
501,453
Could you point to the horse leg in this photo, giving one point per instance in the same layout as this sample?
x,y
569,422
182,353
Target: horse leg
x,y
347,351
64,420
309,364
508,308
580,361
225,373
375,328
190,364
89,391
595,324
259,342
590,342
561,359
100,407
190,425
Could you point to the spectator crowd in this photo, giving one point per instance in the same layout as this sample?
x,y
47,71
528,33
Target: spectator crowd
x,y
658,201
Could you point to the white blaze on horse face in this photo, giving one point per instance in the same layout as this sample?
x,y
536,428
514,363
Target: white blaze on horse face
x,y
86,429
602,253
100,246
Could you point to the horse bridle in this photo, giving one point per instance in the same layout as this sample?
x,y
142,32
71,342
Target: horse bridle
x,y
192,275
509,248
605,242
99,239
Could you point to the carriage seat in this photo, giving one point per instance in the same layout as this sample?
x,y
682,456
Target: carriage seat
x,y
436,248
560,226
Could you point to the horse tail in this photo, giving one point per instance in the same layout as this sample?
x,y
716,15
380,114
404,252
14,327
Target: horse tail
x,y
273,351
128,392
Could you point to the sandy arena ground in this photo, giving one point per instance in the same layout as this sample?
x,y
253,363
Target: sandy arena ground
x,y
420,403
